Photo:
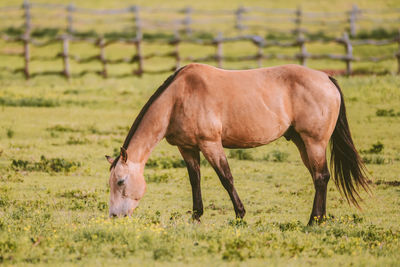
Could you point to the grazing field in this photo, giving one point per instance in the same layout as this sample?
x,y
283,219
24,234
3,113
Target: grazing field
x,y
54,177
53,185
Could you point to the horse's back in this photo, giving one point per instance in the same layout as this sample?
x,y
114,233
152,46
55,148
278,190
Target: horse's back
x,y
250,107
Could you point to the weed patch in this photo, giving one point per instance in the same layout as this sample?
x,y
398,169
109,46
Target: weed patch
x,y
375,159
375,148
45,165
78,194
390,183
11,178
28,102
77,199
276,156
62,128
387,113
77,141
240,154
10,133
157,178
165,163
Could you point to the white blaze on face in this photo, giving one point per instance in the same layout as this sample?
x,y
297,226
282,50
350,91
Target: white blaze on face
x,y
127,187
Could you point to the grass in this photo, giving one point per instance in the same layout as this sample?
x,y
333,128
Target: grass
x,y
54,207
54,177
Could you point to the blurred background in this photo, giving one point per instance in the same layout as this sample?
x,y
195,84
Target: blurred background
x,y
122,38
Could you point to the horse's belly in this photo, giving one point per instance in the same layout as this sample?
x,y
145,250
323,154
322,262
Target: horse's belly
x,y
253,129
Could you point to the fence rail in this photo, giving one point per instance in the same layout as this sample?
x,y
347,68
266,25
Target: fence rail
x,y
139,58
249,20
183,27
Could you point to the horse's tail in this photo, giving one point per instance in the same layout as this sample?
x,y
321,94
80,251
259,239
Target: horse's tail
x,y
346,164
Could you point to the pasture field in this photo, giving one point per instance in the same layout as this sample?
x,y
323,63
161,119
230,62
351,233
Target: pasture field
x,y
54,177
53,185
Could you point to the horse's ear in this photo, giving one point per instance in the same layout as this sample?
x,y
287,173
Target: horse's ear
x,y
110,159
124,155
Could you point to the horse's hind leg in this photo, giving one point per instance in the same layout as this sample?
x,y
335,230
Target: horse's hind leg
x,y
192,160
215,154
313,154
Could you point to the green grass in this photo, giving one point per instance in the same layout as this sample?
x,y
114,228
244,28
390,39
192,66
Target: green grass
x,y
53,209
54,177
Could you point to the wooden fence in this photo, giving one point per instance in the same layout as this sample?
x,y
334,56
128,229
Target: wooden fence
x,y
300,41
139,58
244,20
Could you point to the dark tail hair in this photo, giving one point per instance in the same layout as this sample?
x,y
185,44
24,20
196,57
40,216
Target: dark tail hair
x,y
346,164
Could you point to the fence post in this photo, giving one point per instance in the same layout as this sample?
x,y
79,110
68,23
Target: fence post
x,y
303,51
398,54
65,55
70,21
259,42
176,42
26,37
239,18
349,53
298,20
259,54
219,54
138,41
103,59
188,20
352,20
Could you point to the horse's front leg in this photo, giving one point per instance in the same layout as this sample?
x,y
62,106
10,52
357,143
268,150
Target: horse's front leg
x,y
192,159
214,153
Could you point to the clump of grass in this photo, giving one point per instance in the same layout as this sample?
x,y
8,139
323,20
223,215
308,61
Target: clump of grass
x,y
204,162
375,148
78,194
62,128
157,178
77,199
389,183
238,249
11,178
10,133
71,92
377,33
290,226
374,159
28,102
276,156
162,253
175,216
77,141
45,165
238,223
387,113
94,130
4,200
166,163
240,154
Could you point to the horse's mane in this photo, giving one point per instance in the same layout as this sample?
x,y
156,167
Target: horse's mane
x,y
139,118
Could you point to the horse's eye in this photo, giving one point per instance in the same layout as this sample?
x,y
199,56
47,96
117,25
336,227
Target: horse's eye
x,y
120,182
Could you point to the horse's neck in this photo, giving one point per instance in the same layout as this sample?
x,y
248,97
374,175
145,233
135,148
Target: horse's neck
x,y
151,130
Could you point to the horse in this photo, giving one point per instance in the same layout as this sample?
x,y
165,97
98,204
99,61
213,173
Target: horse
x,y
204,108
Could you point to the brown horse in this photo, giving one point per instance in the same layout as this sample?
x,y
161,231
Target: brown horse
x,y
203,108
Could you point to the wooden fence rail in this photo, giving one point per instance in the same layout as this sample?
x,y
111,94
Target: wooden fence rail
x,y
183,23
250,20
139,58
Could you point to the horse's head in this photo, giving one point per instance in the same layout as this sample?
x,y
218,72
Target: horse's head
x,y
127,185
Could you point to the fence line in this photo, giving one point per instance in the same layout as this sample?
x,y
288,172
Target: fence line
x,y
185,25
139,58
188,19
